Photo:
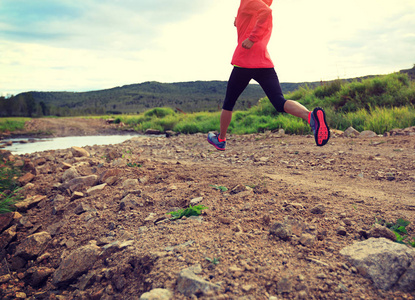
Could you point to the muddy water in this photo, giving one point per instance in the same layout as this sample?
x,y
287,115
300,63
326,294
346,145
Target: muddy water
x,y
26,146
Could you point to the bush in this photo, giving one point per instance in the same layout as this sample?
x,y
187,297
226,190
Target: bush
x,y
198,122
159,112
328,89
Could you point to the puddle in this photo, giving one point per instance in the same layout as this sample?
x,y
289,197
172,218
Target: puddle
x,y
27,146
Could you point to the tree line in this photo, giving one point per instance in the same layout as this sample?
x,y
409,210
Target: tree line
x,y
130,99
25,105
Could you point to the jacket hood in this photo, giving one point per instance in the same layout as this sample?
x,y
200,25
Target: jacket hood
x,y
267,2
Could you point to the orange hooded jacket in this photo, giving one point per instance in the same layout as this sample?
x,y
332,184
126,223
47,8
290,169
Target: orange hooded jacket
x,y
254,21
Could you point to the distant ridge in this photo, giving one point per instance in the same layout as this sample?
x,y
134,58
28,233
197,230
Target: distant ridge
x,y
135,98
191,96
410,72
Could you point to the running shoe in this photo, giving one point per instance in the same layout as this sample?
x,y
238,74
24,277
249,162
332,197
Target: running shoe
x,y
214,140
319,126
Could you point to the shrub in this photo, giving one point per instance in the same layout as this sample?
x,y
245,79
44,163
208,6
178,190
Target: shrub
x,y
198,122
328,90
159,112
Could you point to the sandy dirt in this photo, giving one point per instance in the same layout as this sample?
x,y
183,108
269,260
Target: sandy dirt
x,y
60,127
269,177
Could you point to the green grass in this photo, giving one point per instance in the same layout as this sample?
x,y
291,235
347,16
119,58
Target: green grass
x,y
12,124
219,188
7,201
379,104
187,212
214,261
9,186
399,229
8,177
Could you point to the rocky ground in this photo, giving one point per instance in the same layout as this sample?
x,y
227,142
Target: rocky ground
x,y
280,214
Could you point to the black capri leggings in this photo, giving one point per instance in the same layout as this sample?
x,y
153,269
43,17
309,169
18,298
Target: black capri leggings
x,y
267,79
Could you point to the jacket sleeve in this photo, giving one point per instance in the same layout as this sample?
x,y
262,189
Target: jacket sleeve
x,y
263,12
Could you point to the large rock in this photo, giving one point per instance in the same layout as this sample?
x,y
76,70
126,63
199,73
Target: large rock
x,y
351,132
36,276
378,231
75,264
33,245
384,262
26,178
29,167
153,131
130,184
157,294
281,231
79,152
190,284
77,183
130,201
307,240
29,202
5,220
367,134
70,174
96,189
7,236
407,281
319,209
106,176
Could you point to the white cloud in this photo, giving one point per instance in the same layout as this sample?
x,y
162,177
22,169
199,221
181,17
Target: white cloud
x,y
101,44
323,39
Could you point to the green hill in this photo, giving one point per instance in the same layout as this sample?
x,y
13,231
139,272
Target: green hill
x,y
135,98
193,96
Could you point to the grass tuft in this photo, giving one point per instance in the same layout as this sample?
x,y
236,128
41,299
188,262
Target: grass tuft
x,y
187,212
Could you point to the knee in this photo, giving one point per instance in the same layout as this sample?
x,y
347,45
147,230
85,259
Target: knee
x,y
280,105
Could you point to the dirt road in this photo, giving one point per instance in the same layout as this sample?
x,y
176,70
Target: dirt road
x,y
268,178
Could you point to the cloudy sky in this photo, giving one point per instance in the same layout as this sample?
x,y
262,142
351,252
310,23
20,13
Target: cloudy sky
x,y
66,45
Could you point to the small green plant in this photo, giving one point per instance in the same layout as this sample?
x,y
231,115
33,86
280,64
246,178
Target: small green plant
x,y
125,152
400,239
9,186
7,201
400,226
219,187
8,177
133,165
187,212
399,229
214,261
